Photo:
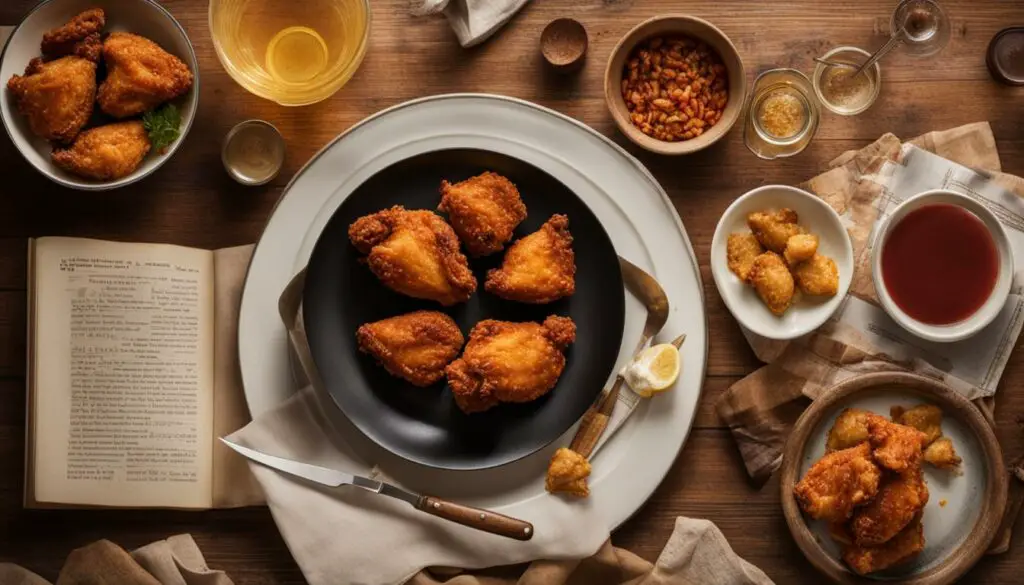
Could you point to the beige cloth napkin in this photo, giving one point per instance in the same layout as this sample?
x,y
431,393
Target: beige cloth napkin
x,y
473,21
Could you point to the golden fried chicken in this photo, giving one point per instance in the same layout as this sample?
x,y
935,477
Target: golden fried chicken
x,y
105,152
415,253
900,498
774,228
483,210
510,362
56,96
903,547
140,75
926,418
849,430
941,454
79,36
800,247
539,268
837,483
896,447
818,276
741,250
773,282
415,347
568,473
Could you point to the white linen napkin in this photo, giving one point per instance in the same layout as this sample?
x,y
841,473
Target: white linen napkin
x,y
473,21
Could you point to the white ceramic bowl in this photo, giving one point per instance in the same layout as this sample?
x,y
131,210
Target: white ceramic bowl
x,y
996,300
808,312
142,17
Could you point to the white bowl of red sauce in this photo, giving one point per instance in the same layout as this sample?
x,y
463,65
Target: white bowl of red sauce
x,y
942,265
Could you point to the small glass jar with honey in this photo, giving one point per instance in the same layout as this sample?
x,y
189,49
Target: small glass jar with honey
x,y
783,114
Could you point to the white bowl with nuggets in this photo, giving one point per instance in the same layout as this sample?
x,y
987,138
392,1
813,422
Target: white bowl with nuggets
x,y
144,18
775,292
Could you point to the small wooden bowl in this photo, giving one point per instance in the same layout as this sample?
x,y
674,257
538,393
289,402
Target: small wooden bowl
x,y
670,25
564,44
982,487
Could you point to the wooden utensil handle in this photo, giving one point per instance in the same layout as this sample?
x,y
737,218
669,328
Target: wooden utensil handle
x,y
476,518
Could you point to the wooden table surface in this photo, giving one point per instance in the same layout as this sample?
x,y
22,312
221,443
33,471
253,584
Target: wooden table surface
x,y
191,201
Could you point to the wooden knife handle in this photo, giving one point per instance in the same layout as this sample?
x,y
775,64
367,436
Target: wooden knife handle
x,y
476,518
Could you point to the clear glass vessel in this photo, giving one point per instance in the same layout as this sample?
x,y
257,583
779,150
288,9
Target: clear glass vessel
x,y
840,94
294,52
925,24
763,135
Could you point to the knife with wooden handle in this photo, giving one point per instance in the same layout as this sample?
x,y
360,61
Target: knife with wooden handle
x,y
477,518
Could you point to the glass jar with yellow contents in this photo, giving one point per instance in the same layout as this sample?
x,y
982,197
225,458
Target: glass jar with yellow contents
x,y
783,114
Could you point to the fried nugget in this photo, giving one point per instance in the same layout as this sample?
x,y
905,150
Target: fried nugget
x,y
79,36
896,447
741,250
415,347
800,247
900,498
774,228
926,418
941,454
818,276
105,153
483,210
568,473
773,282
539,268
849,430
904,546
837,483
56,96
141,75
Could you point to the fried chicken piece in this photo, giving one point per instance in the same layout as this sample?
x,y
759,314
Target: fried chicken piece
x,y
568,473
79,36
900,498
903,547
773,282
539,268
56,96
896,447
849,430
941,454
926,418
510,362
818,276
415,253
105,152
741,250
415,347
140,75
800,247
774,228
483,210
837,483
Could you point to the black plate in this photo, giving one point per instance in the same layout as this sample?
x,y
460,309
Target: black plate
x,y
424,424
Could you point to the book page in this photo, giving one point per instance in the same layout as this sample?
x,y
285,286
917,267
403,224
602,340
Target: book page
x,y
122,374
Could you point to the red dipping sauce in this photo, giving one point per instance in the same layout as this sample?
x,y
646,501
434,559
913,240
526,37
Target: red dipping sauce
x,y
940,264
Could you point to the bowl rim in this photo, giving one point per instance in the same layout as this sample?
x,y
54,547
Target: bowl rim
x,y
997,298
718,241
615,104
138,174
993,505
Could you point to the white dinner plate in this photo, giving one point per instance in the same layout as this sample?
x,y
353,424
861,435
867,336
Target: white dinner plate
x,y
633,208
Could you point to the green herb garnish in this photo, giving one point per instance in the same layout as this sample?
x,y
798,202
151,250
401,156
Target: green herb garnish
x,y
162,125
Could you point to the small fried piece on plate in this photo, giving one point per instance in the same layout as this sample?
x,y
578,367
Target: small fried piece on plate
x,y
818,276
79,36
774,228
896,447
415,346
741,250
904,546
105,153
772,281
483,210
568,473
56,96
941,454
800,247
900,498
849,430
926,418
539,268
837,483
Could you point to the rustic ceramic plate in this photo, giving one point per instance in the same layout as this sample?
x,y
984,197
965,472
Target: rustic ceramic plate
x,y
964,510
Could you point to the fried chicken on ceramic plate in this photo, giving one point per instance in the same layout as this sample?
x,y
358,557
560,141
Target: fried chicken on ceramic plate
x,y
539,268
899,500
483,210
140,75
79,36
56,96
415,347
105,152
837,483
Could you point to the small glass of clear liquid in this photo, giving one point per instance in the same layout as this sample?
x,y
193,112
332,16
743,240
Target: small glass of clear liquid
x,y
926,28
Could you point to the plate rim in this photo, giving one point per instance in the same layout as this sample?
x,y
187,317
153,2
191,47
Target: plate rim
x,y
616,519
986,527
362,427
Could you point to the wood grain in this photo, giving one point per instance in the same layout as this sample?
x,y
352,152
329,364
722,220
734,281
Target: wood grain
x,y
191,201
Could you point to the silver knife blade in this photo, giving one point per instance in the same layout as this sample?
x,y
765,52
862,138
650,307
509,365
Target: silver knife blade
x,y
323,475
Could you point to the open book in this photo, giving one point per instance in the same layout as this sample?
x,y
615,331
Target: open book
x,y
132,376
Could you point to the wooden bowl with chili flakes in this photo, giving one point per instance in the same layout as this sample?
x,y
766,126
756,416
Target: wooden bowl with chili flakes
x,y
675,84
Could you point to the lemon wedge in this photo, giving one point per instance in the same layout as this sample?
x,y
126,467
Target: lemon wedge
x,y
654,371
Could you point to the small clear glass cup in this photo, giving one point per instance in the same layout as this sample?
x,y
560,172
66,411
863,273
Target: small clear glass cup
x,y
760,140
854,57
926,26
